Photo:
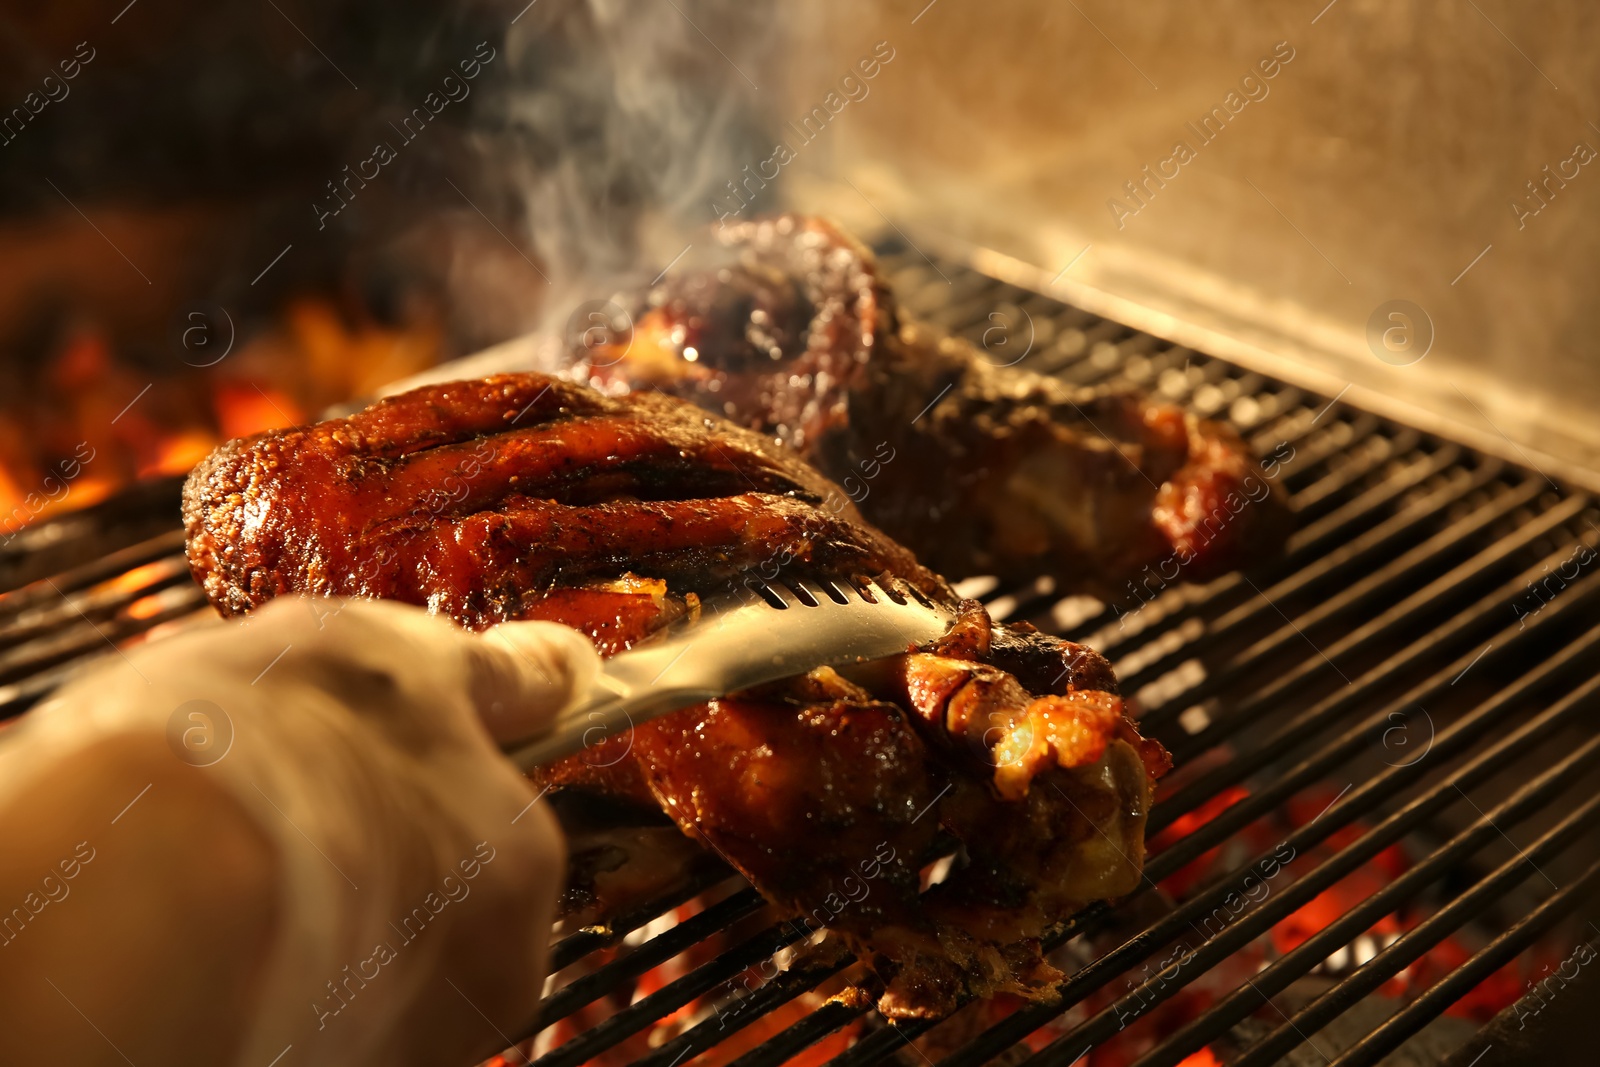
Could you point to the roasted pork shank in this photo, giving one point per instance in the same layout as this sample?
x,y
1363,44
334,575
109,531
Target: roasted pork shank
x,y
977,466
523,497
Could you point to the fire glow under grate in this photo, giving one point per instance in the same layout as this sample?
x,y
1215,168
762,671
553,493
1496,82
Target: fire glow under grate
x,y
1379,835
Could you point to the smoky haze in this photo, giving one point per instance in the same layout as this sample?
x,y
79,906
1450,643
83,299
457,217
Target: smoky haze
x,y
614,128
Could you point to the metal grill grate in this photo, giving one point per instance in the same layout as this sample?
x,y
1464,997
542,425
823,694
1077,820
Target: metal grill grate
x,y
1416,674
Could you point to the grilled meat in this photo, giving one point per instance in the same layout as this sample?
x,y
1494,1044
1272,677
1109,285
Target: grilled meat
x,y
528,497
978,468
507,497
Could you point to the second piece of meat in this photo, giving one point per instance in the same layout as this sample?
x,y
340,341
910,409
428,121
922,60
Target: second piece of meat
x,y
978,467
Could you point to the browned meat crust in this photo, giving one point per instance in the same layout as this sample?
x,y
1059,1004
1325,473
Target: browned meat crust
x,y
484,499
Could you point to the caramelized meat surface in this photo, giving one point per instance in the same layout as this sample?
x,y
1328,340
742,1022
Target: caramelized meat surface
x,y
529,497
518,497
978,467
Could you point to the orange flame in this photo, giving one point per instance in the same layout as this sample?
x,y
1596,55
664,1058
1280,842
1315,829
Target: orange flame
x,y
92,422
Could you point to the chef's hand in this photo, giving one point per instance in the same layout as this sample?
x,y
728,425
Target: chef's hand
x,y
292,837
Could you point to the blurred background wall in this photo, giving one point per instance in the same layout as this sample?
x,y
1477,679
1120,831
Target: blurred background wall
x,y
1378,165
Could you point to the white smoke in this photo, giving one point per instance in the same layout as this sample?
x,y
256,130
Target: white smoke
x,y
623,122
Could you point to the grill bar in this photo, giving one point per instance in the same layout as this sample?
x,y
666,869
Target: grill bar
x,y
1119,960
575,946
1414,943
1459,982
50,548
825,1021
50,625
1361,799
1462,626
1279,974
1436,548
881,1044
659,949
1331,566
1323,494
746,1011
668,999
1408,615
1363,734
1310,543
45,592
1314,720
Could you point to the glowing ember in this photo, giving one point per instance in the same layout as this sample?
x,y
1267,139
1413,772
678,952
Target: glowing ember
x,y
138,578
178,453
147,607
91,422
244,409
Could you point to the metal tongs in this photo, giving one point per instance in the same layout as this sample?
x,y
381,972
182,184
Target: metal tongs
x,y
762,633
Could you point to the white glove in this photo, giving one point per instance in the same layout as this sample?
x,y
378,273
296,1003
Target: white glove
x,y
411,856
